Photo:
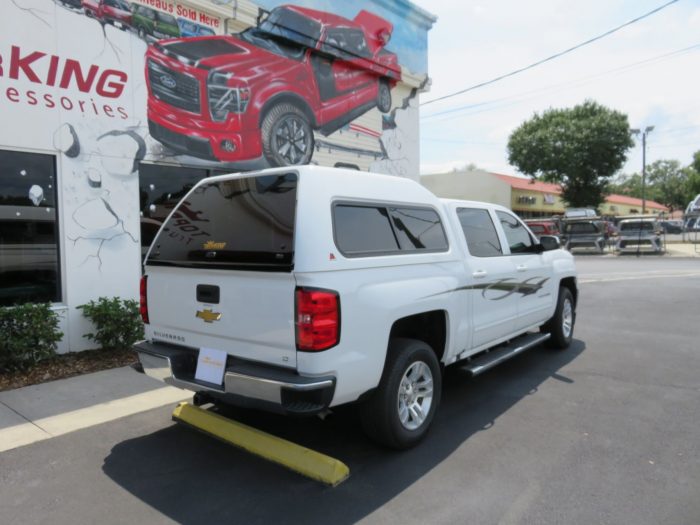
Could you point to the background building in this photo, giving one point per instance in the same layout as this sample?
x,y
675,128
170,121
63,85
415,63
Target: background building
x,y
529,199
107,123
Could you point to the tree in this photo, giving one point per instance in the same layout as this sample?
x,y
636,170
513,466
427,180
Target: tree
x,y
580,148
668,183
696,162
630,185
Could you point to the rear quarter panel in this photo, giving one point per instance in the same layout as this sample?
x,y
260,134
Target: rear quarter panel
x,y
371,300
374,291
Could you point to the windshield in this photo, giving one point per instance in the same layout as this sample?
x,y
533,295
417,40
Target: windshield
x,y
290,25
273,44
581,227
636,226
284,32
167,19
244,223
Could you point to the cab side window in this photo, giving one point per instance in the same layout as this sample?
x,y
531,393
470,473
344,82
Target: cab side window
x,y
479,232
517,235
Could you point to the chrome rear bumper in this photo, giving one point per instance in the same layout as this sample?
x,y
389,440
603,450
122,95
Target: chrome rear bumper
x,y
245,383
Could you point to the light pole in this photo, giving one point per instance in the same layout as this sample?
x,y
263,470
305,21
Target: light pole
x,y
644,133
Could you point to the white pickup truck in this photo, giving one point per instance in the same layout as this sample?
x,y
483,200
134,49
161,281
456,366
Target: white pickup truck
x,y
296,290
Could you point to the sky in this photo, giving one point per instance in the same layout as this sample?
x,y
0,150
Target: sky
x,y
644,70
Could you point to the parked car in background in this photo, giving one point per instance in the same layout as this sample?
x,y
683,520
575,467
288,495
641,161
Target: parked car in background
x,y
610,229
638,235
115,12
584,233
694,205
148,22
190,29
671,226
543,227
692,224
579,213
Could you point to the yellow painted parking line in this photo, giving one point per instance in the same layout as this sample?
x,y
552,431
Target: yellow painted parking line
x,y
300,459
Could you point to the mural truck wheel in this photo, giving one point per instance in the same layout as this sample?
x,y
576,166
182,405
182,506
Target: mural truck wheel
x,y
384,97
287,137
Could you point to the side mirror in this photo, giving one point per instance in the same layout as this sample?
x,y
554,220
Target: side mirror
x,y
549,242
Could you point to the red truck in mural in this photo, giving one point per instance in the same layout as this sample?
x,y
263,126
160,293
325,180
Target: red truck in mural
x,y
264,91
115,12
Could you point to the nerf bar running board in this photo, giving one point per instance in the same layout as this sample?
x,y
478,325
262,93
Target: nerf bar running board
x,y
488,360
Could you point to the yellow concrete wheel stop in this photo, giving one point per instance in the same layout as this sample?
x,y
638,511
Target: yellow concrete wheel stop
x,y
295,457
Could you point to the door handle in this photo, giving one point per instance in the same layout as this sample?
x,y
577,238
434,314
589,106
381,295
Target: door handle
x,y
479,274
521,267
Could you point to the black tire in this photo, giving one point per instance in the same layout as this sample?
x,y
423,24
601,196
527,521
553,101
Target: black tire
x,y
561,325
382,413
287,137
384,97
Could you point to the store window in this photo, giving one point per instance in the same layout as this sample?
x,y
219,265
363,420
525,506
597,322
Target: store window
x,y
29,267
161,187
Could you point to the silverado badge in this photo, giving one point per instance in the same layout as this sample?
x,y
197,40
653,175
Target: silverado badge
x,y
212,245
208,316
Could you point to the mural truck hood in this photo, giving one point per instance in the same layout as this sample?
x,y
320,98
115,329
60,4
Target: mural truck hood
x,y
226,54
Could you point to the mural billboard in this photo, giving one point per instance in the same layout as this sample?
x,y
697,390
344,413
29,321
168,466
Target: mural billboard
x,y
265,90
133,102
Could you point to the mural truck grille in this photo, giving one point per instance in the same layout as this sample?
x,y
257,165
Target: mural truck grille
x,y
174,88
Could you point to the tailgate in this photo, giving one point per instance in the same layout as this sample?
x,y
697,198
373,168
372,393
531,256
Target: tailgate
x,y
219,272
252,319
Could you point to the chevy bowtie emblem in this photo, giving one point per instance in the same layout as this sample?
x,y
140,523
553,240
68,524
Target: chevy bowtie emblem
x,y
208,316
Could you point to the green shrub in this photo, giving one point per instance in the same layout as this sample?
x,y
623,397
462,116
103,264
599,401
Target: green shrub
x,y
28,334
117,322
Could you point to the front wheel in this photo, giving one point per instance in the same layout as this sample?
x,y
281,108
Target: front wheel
x,y
561,326
384,97
400,412
287,137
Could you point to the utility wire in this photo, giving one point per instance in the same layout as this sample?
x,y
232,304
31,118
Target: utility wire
x,y
552,57
521,97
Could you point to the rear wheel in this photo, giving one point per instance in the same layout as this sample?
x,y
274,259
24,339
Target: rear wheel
x,y
561,325
287,137
400,412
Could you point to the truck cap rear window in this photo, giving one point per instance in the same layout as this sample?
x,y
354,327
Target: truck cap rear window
x,y
243,223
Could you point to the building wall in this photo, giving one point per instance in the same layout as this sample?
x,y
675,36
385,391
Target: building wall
x,y
475,185
614,208
75,89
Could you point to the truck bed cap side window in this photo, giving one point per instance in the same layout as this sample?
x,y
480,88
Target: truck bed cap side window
x,y
363,229
383,230
418,229
479,232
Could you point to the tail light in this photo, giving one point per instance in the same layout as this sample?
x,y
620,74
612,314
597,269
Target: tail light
x,y
317,319
144,299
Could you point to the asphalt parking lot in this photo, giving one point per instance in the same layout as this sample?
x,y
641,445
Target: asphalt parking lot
x,y
605,432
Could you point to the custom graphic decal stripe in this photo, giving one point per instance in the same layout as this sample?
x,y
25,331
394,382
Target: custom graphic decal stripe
x,y
507,285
